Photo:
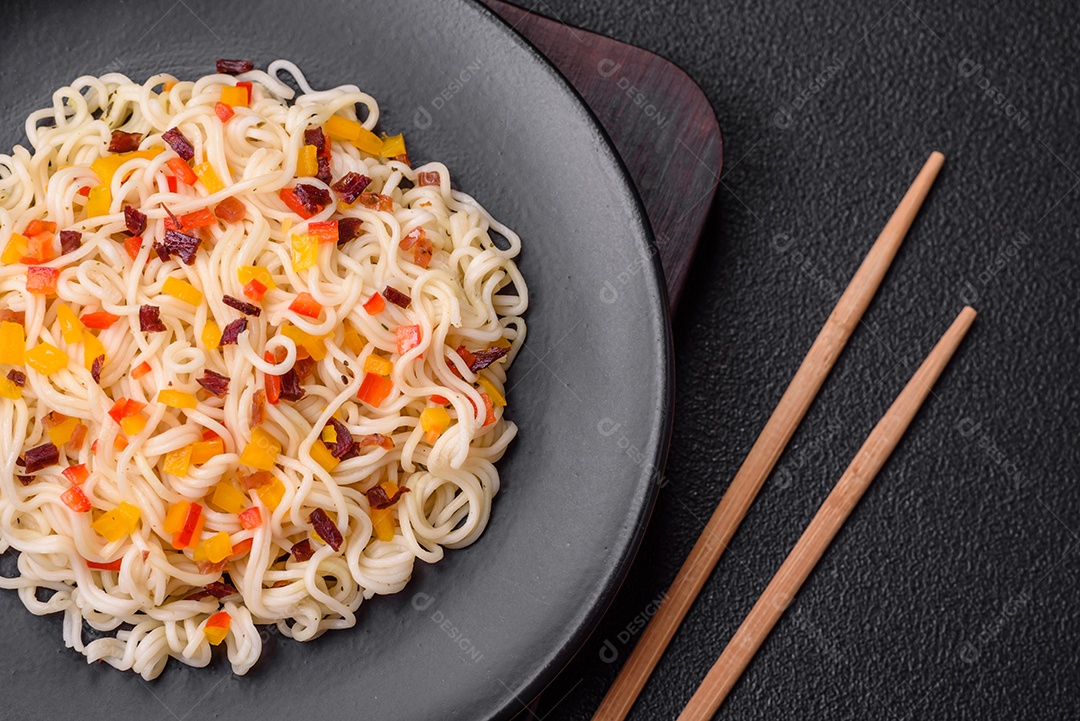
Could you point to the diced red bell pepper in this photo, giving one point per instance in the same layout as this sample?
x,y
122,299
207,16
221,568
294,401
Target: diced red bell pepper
x,y
36,226
141,370
241,547
124,408
75,499
289,198
231,210
255,290
375,304
182,170
489,409
99,319
171,181
374,389
133,245
193,522
306,305
251,518
224,111
273,382
440,400
408,337
196,219
76,475
325,230
110,566
246,86
42,281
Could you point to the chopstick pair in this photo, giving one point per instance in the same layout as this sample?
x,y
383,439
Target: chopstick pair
x,y
758,465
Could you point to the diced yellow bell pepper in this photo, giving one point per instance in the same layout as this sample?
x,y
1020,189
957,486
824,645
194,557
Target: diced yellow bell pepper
x,y
12,343
9,390
46,358
175,517
321,455
383,518
177,399
342,128
314,345
305,252
177,462
211,335
106,166
434,421
353,341
209,177
182,290
234,96
307,162
204,451
118,522
261,452
497,398
502,343
133,425
393,146
368,141
17,247
215,630
227,498
329,434
218,547
248,273
272,493
71,328
92,348
378,366
99,201
61,433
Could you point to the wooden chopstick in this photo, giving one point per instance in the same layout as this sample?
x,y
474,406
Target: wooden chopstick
x,y
766,451
827,522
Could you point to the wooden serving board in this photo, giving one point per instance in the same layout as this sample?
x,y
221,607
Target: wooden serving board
x,y
656,116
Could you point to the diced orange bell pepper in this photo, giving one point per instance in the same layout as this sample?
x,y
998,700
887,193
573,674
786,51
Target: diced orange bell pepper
x,y
374,389
289,198
76,475
191,528
375,304
99,319
408,337
325,231
41,280
182,170
217,627
75,499
305,305
251,518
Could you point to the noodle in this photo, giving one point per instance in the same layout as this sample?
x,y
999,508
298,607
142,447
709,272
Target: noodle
x,y
467,294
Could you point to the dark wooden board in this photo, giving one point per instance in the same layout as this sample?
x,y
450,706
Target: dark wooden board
x,y
657,118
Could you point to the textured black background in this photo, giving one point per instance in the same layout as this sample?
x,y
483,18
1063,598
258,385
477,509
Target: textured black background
x,y
952,590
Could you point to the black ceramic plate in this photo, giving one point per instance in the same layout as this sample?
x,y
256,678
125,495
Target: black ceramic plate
x,y
483,631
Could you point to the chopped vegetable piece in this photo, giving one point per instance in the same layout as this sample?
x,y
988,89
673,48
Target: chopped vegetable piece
x,y
239,549
70,241
314,345
177,399
378,366
251,518
215,384
374,389
312,197
10,390
379,498
305,252
122,142
118,522
134,220
61,433
231,210
350,185
496,396
12,342
70,328
306,306
324,231
99,319
209,177
261,452
211,335
76,475
367,141
110,566
17,377
141,370
227,498
171,182
224,111
272,382
150,319
248,273
256,480
326,528
38,226
204,451
376,201
17,247
375,304
427,177
93,349
307,162
179,143
315,136
200,218
302,551
288,196
133,425
41,456
343,128
393,146
106,167
258,408
41,280
182,171
220,590
272,493
489,409
434,421
46,358
133,245
255,290
232,331
396,297
182,290
174,517
353,341
348,229
191,528
382,521
183,245
218,547
245,308
234,96
178,462
408,337
343,439
75,499
322,455
234,67
217,628
291,390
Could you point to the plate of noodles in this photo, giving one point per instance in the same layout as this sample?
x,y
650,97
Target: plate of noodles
x,y
334,362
